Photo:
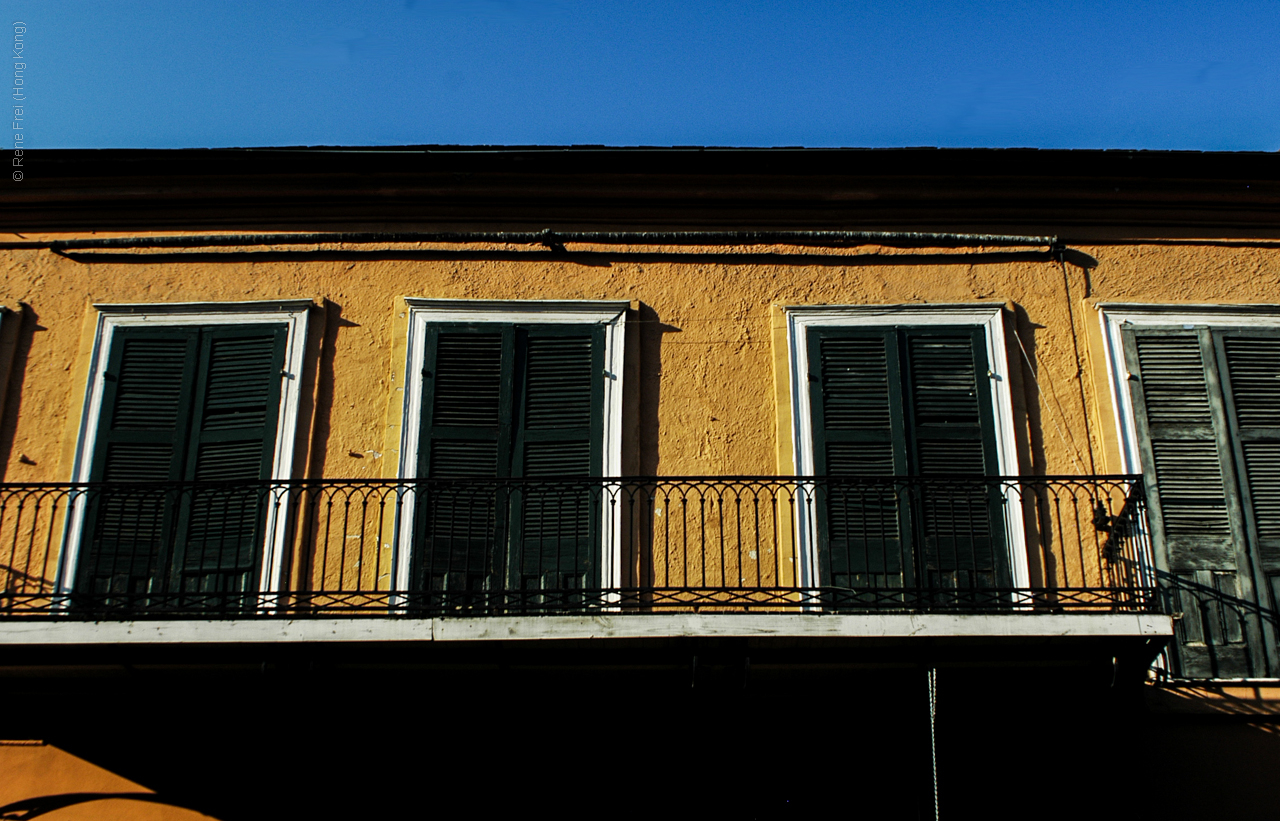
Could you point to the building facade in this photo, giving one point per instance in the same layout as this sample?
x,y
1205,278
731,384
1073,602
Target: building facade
x,y
639,480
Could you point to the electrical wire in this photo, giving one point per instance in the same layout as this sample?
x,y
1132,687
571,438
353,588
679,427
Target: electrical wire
x,y
1071,446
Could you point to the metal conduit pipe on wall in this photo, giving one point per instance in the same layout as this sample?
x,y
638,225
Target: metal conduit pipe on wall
x,y
557,239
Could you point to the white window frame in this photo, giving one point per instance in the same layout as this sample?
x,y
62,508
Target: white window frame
x,y
425,312
292,313
987,315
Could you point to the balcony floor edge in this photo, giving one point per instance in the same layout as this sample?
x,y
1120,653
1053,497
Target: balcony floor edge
x,y
601,626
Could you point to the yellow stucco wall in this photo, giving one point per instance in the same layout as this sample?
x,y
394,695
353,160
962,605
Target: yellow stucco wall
x,y
709,392
708,352
36,778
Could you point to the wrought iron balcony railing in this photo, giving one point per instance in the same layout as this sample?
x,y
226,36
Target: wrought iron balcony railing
x,y
556,546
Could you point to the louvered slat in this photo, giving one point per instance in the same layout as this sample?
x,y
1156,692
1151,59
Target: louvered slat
x,y
149,384
945,414
855,384
943,381
962,456
558,388
859,459
137,461
460,520
241,376
229,461
1253,365
1173,380
467,381
1262,464
551,459
224,526
461,459
1189,483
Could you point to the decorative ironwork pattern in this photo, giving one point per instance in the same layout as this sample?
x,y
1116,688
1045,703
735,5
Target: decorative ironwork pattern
x,y
563,546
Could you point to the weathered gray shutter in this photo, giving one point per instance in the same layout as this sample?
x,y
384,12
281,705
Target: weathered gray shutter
x,y
1197,519
1253,401
466,434
905,402
231,448
141,438
558,442
1250,363
951,432
183,404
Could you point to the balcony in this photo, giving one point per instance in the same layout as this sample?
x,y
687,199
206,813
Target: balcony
x,y
336,549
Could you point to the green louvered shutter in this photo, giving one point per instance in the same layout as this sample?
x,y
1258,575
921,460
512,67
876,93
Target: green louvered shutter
x,y
559,441
1194,497
521,402
905,402
951,432
141,437
856,396
183,404
232,445
466,434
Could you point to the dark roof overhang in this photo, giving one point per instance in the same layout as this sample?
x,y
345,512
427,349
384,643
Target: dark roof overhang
x,y
1077,194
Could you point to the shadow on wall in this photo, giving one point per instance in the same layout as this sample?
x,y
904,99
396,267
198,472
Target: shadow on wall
x,y
317,437
40,778
1209,767
650,332
42,805
16,338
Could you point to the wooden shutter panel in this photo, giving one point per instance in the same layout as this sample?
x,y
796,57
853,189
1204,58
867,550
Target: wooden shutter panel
x,y
184,404
1185,456
952,432
232,441
855,393
141,435
1183,434
559,437
504,402
1253,402
465,433
905,401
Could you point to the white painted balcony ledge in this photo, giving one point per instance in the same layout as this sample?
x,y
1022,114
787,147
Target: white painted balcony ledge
x,y
602,626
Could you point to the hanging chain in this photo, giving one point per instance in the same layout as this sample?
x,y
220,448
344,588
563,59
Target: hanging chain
x,y
933,734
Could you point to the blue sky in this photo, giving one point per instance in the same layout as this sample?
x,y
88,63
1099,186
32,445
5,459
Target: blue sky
x,y
1158,75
